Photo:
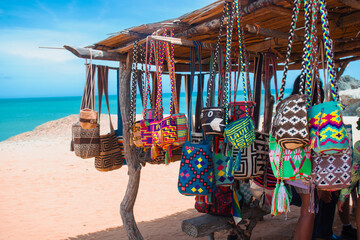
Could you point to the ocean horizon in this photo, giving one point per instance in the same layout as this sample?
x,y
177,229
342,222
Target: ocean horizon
x,y
21,115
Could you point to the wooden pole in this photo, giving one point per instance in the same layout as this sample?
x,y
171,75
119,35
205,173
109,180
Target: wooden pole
x,y
95,54
134,167
183,42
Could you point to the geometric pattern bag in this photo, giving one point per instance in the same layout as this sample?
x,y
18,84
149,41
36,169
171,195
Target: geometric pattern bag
x,y
181,128
289,164
110,157
213,118
238,110
253,158
240,133
221,202
85,141
327,131
333,172
196,177
145,132
196,170
220,163
290,123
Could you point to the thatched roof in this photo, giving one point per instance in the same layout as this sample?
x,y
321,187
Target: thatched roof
x,y
272,16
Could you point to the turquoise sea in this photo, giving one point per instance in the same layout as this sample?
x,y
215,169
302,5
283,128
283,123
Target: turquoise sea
x,y
24,114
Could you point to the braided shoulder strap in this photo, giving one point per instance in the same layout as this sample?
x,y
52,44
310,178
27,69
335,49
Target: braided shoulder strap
x,y
214,60
328,46
134,74
229,30
242,51
294,18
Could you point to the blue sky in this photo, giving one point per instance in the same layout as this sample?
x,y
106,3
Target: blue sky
x,y
29,71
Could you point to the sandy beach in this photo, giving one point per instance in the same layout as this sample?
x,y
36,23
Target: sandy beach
x,y
49,193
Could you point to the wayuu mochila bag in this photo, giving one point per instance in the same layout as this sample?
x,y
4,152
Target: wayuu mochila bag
x,y
253,158
290,164
212,117
175,82
220,163
333,171
290,139
88,115
164,131
239,133
327,130
290,123
221,202
85,141
196,176
110,157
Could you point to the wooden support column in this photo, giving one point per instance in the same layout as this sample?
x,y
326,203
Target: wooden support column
x,y
134,167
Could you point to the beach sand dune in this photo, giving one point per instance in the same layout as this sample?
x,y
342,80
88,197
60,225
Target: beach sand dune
x,y
49,193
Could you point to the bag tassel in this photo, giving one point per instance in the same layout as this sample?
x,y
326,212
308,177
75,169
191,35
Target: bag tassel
x,y
236,210
230,164
314,141
168,155
207,199
154,152
313,203
280,201
237,162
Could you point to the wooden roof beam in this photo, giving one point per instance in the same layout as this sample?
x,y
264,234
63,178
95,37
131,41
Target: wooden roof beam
x,y
183,42
280,10
351,3
204,27
176,41
267,44
270,33
95,54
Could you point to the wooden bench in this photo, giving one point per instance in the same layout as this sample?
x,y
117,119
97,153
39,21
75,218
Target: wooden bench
x,y
207,225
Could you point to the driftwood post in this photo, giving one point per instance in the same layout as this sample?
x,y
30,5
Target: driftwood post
x,y
134,167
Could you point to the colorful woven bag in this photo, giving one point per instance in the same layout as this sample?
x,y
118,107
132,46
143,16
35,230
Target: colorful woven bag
x,y
181,128
213,117
333,171
327,131
290,123
253,158
220,163
241,132
196,176
221,202
168,132
289,164
238,110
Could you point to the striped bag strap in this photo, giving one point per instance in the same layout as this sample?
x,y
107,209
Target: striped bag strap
x,y
242,51
159,62
211,82
229,30
134,75
294,18
329,51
